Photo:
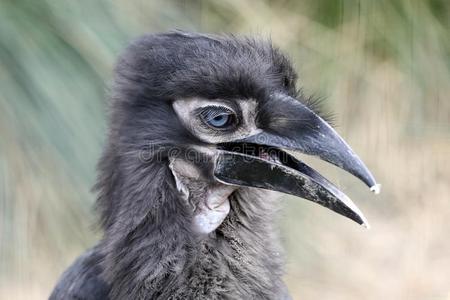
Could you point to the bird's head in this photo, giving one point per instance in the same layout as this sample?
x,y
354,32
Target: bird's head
x,y
223,111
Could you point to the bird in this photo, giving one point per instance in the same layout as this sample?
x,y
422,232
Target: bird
x,y
202,130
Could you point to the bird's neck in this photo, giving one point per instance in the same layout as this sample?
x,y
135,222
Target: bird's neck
x,y
155,253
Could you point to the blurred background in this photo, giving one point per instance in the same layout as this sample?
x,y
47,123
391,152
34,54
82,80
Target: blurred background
x,y
383,68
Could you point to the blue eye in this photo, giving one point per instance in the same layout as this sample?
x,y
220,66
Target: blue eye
x,y
219,121
218,117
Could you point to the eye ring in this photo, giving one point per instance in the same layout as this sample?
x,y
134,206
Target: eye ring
x,y
218,117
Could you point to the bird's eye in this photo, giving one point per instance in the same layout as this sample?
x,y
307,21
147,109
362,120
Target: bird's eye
x,y
218,117
220,120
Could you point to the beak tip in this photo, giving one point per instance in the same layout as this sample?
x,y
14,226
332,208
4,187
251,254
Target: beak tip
x,y
366,225
361,219
376,188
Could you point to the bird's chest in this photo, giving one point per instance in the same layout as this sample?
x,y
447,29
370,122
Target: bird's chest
x,y
221,273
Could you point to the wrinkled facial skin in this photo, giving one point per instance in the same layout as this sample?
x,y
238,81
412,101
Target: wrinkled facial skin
x,y
209,200
188,110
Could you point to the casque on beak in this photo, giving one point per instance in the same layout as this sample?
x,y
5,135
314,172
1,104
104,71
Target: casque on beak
x,y
258,161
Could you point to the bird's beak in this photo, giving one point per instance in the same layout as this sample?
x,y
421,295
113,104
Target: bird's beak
x,y
258,161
